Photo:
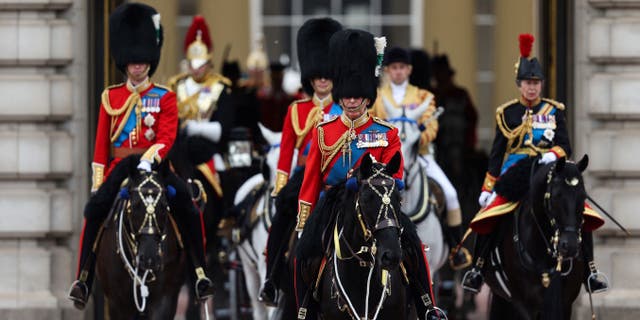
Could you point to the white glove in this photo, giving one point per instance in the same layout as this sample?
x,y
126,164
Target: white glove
x,y
485,196
299,234
548,158
209,130
144,165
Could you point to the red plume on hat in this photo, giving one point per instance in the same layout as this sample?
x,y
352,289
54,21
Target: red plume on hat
x,y
198,24
526,43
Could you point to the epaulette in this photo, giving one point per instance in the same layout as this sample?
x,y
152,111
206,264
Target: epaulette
x,y
300,101
383,122
505,105
162,87
424,94
226,81
322,123
173,81
556,104
113,86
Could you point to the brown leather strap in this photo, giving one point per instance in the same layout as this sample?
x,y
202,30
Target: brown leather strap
x,y
125,152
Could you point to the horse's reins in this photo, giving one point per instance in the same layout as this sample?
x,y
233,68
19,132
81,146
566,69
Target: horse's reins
x,y
551,245
383,221
148,226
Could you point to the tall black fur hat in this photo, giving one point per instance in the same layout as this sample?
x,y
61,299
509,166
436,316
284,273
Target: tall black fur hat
x,y
353,60
313,40
135,36
528,68
396,54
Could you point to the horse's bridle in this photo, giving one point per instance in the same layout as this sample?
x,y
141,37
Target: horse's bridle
x,y
386,218
150,191
552,244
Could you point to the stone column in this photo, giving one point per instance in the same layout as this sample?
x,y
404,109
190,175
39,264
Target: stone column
x,y
43,163
607,127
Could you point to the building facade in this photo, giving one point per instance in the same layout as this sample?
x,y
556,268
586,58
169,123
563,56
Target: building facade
x,y
53,67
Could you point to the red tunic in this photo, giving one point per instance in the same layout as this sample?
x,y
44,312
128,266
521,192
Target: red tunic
x,y
326,165
145,124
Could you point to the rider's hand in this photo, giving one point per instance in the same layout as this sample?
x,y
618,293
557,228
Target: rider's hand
x,y
144,165
484,198
548,158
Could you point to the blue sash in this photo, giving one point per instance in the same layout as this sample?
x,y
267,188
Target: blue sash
x,y
338,172
150,100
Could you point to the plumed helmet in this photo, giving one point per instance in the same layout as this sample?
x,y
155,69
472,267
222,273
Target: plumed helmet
x,y
527,67
135,36
197,43
396,54
353,58
313,54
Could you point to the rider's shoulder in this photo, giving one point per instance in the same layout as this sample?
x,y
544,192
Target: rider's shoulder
x,y
330,120
425,94
173,81
383,123
506,105
298,102
113,87
162,87
554,103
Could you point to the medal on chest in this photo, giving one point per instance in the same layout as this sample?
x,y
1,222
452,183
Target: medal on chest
x,y
372,139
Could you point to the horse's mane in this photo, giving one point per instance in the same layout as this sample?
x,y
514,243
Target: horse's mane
x,y
515,183
103,199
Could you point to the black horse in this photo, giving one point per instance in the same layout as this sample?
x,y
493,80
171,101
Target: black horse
x,y
362,276
537,269
141,250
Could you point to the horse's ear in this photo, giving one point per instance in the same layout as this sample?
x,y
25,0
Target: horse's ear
x,y
365,165
394,164
560,164
583,163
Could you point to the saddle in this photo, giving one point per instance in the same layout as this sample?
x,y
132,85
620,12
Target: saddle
x,y
245,212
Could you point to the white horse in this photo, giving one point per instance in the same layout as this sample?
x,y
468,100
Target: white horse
x,y
417,202
254,242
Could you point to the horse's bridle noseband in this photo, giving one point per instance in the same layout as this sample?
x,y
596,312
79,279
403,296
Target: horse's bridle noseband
x,y
387,215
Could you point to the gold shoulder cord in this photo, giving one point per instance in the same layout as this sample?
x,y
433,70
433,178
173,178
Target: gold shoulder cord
x,y
312,119
329,152
132,101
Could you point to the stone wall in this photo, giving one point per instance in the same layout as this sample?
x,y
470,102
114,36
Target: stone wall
x,y
43,153
607,127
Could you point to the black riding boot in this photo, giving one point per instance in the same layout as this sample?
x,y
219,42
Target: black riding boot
x,y
459,258
190,225
95,213
81,287
307,306
473,279
595,281
279,235
420,283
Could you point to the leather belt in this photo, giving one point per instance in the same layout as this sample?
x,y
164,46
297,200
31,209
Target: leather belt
x,y
125,152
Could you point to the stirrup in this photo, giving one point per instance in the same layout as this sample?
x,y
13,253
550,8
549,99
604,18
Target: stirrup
x,y
81,298
595,275
205,293
467,278
436,312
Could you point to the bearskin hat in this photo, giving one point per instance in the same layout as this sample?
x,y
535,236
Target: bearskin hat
x,y
527,68
353,61
135,36
396,54
313,40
